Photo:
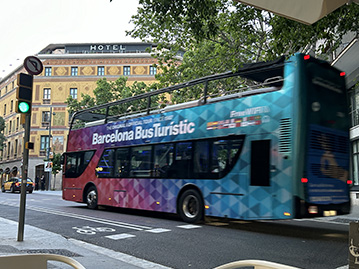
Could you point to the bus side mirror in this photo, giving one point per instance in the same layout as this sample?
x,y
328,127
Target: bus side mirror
x,y
62,160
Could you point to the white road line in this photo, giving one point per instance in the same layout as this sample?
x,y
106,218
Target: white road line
x,y
84,217
189,226
120,236
158,230
323,220
119,256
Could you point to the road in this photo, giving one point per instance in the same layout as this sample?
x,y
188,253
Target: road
x,y
167,240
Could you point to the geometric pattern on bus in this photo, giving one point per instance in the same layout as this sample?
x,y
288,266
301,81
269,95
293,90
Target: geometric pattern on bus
x,y
231,196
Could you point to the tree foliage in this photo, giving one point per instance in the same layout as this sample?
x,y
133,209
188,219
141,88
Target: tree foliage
x,y
56,163
221,35
110,91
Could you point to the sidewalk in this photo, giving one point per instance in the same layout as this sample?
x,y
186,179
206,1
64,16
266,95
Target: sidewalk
x,y
41,241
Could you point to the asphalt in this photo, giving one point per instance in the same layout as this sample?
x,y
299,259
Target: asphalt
x,y
89,255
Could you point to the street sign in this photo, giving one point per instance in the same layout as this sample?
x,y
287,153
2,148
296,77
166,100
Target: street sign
x,y
33,65
47,166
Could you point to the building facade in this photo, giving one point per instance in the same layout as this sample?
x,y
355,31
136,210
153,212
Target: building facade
x,y
69,70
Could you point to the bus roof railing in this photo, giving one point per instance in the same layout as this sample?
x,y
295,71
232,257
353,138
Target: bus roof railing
x,y
268,74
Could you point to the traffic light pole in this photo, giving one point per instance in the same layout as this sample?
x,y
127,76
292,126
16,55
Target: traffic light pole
x,y
34,67
20,235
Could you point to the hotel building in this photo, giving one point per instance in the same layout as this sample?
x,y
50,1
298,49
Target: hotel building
x,y
69,69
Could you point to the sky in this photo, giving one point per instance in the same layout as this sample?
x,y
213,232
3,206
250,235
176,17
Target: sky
x,y
28,26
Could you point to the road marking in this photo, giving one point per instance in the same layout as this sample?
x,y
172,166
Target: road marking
x,y
120,236
189,226
84,217
158,230
331,221
92,230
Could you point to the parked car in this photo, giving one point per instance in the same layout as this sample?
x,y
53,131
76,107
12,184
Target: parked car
x,y
14,184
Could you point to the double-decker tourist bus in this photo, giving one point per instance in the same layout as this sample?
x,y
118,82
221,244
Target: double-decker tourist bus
x,y
276,149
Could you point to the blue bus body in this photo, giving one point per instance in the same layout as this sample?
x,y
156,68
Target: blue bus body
x,y
290,145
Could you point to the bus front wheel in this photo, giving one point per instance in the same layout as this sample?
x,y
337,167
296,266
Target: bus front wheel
x,y
91,197
190,206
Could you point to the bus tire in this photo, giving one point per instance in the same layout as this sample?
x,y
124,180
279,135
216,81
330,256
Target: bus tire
x,y
91,197
190,206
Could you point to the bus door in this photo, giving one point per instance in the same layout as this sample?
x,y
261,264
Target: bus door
x,y
261,172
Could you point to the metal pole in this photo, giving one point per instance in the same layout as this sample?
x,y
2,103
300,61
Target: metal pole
x,y
48,152
20,235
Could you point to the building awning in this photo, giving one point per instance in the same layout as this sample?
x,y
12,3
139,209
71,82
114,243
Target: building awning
x,y
347,61
304,11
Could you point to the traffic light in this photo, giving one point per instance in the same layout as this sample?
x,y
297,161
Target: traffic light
x,y
24,93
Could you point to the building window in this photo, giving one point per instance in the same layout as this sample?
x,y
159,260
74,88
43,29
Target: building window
x,y
48,71
4,109
16,145
13,84
74,71
8,150
17,124
44,142
10,127
153,70
11,105
46,116
354,107
100,71
73,93
356,162
126,71
47,95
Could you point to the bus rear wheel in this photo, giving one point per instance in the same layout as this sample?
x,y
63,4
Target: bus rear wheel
x,y
91,197
190,206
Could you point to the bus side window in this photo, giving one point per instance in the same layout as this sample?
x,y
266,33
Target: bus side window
x,y
163,159
75,163
182,165
201,158
219,157
122,166
105,165
70,167
141,161
260,163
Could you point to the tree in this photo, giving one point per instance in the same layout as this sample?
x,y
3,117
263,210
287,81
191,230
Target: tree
x,y
221,35
56,167
290,36
110,91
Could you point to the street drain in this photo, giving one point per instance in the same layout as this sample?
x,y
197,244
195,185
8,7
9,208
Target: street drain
x,y
63,252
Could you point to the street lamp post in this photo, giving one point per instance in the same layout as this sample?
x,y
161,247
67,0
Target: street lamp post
x,y
48,186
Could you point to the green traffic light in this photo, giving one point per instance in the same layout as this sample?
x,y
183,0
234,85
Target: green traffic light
x,y
24,107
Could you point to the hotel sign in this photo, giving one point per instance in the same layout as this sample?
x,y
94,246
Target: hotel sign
x,y
107,48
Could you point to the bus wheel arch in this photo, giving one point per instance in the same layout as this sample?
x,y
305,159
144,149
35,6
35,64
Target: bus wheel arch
x,y
90,196
190,204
